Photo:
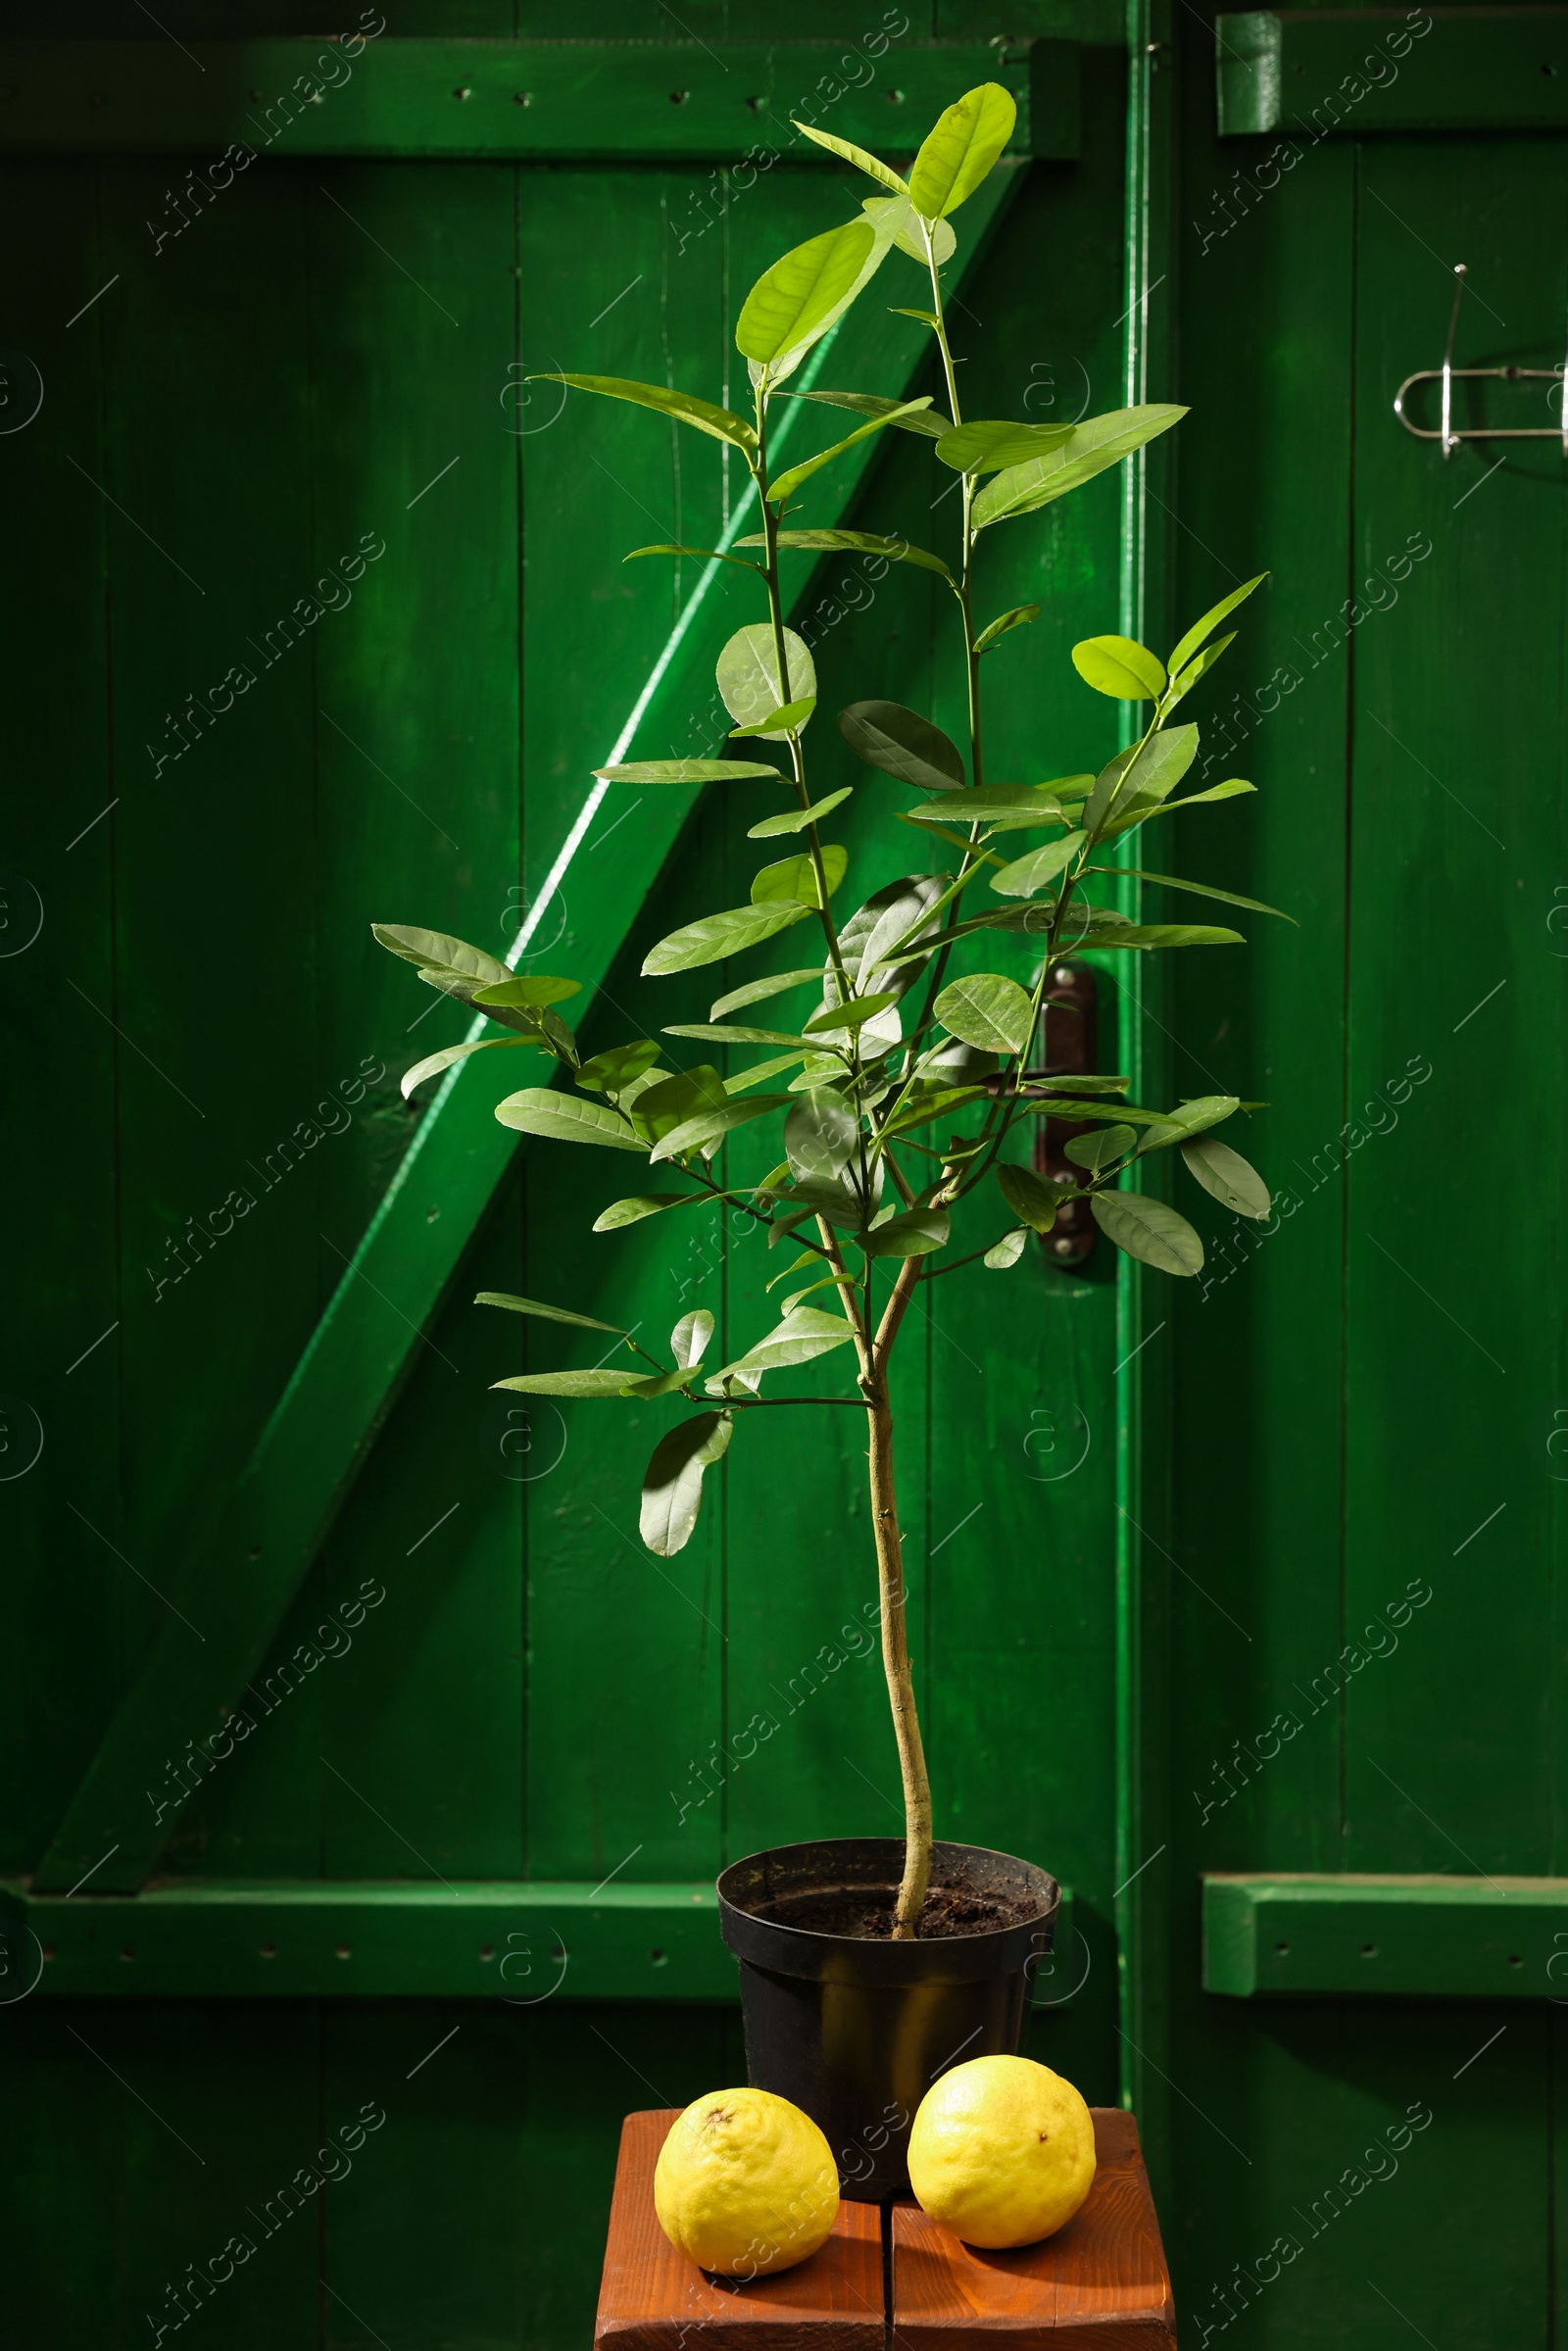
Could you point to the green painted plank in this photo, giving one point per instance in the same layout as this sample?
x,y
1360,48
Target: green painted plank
x,y
1357,71
546,101
1473,1939
344,1384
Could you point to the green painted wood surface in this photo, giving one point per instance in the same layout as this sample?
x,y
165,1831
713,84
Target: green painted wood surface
x,y
1360,72
535,100
1410,1938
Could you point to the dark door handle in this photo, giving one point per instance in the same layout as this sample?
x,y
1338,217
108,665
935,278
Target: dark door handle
x,y
1070,1049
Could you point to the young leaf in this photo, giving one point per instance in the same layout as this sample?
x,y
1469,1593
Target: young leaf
x,y
673,1482
645,1203
819,1136
985,1010
688,1341
565,1118
788,483
1189,1119
795,878
986,447
926,317
860,542
1029,1195
714,936
433,1063
915,1233
795,302
719,421
800,1338
929,422
902,744
1228,1176
531,1305
1019,617
796,820
884,173
1099,442
1183,681
612,1071
785,720
692,771
436,951
1121,667
961,150
907,234
569,1382
713,554
1201,630
749,679
1098,1150
1172,881
757,992
852,1015
707,1127
1025,875
1148,1229
1006,1251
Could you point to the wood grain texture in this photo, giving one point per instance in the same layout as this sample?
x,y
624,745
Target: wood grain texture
x,y
1101,2281
651,2297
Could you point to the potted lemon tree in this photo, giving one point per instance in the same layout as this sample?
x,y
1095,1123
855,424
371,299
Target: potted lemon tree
x,y
898,1079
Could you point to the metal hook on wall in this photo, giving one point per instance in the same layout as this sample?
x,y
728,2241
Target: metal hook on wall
x,y
1448,374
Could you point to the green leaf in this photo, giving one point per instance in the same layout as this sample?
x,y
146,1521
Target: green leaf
x,y
851,1015
915,1233
632,1212
1228,1176
532,1305
957,153
1183,682
526,990
713,1032
749,679
800,1338
438,952
1104,1145
795,878
930,1099
1143,809
1006,1251
1025,875
1172,881
719,421
987,1011
1156,935
1019,617
1086,1085
926,317
757,992
872,930
668,546
433,1063
791,716
1121,667
673,1482
882,173
930,424
688,1341
906,235
669,1100
820,1134
796,301
1150,1229
716,936
788,483
569,1382
608,1072
1031,1196
901,744
1146,773
707,1127
861,542
999,808
757,1071
564,1118
1191,1118
986,447
796,820
692,771
1099,442
1201,630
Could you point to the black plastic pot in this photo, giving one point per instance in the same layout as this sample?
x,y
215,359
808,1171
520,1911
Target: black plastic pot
x,y
855,2029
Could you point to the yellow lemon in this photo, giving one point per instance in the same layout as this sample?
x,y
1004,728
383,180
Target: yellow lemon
x,y
746,2183
1003,2151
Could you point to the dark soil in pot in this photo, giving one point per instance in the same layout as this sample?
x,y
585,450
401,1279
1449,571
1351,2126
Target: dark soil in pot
x,y
853,2027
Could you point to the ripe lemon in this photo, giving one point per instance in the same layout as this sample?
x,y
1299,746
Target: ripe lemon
x,y
1003,2151
746,2183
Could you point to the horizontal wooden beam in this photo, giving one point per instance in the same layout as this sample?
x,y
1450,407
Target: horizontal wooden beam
x,y
1353,72
525,101
1468,1938
260,1938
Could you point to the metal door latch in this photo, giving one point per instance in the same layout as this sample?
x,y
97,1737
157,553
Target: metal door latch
x,y
1069,1049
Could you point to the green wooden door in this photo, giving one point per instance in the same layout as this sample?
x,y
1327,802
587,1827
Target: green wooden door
x,y
366,1780
1366,1653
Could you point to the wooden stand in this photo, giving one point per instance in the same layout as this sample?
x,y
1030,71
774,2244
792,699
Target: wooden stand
x,y
1099,2284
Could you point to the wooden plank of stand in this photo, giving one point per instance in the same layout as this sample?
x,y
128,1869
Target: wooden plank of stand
x,y
651,2297
1099,2282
